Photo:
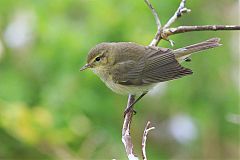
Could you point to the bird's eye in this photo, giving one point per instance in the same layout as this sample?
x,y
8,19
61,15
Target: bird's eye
x,y
98,59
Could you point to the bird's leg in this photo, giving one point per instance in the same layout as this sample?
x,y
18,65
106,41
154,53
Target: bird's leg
x,y
140,97
131,100
130,107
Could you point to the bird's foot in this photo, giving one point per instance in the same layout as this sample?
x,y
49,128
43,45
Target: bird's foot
x,y
129,109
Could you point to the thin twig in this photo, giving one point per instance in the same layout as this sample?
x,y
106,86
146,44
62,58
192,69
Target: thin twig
x,y
126,137
182,29
180,11
157,20
158,36
144,139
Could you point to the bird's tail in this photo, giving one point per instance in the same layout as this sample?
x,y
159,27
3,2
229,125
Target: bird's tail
x,y
183,53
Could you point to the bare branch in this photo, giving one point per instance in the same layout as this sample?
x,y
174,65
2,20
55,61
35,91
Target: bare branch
x,y
144,139
182,29
157,19
180,11
126,137
165,32
158,36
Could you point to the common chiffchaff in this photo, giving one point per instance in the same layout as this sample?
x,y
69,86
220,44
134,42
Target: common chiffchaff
x,y
130,68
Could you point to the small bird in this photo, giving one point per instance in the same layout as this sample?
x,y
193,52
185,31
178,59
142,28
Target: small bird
x,y
130,68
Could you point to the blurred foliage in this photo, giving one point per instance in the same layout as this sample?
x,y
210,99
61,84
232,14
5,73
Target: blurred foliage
x,y
48,110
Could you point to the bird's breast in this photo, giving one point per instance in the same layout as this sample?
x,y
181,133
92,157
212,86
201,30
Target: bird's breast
x,y
128,89
106,77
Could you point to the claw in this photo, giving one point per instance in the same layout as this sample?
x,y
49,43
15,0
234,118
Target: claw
x,y
128,110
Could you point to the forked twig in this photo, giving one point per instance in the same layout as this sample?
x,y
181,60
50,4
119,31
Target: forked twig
x,y
165,31
159,34
144,139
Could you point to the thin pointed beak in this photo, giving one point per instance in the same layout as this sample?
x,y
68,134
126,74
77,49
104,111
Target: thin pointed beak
x,y
86,66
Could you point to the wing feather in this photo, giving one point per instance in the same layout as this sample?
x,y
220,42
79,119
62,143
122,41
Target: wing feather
x,y
154,67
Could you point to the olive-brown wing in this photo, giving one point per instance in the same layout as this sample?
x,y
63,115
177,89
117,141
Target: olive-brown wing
x,y
153,67
163,66
127,72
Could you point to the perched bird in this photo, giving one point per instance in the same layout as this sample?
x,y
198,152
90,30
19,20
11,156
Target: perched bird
x,y
130,68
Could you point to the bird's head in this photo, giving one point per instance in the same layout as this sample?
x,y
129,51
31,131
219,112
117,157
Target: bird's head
x,y
98,57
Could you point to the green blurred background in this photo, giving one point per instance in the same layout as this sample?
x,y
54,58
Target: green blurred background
x,y
49,110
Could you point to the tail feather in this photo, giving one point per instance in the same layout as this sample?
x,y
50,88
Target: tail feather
x,y
183,53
